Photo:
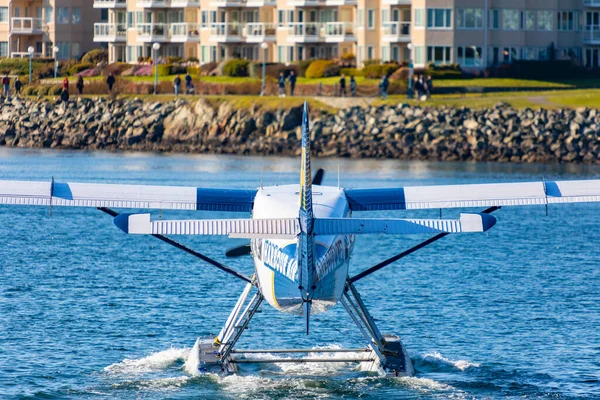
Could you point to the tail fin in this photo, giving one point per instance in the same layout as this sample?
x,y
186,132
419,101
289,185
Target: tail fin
x,y
306,247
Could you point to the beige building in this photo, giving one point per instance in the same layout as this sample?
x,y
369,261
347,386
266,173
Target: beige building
x,y
44,24
473,33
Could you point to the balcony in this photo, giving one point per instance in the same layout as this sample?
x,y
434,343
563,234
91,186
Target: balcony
x,y
591,34
227,3
225,32
591,3
185,3
261,3
184,32
110,3
27,26
110,32
394,32
258,32
397,2
152,3
328,32
149,32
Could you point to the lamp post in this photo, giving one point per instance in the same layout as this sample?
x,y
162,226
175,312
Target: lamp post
x,y
411,71
263,87
55,49
30,50
155,47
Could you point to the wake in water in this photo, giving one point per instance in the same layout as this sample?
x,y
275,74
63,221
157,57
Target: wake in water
x,y
283,379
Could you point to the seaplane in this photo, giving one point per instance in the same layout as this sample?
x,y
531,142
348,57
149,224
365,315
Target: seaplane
x,y
301,239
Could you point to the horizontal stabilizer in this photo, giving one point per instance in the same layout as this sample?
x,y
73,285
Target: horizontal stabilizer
x,y
234,228
51,193
290,227
357,226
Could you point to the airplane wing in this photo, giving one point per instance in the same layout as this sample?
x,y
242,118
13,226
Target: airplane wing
x,y
478,195
125,196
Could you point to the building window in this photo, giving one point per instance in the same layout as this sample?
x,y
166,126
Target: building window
x,y
3,14
510,54
419,18
290,53
76,15
360,54
360,13
544,20
290,16
469,56
439,18
438,54
567,21
62,15
529,53
419,55
213,53
370,53
371,18
280,17
528,20
204,20
75,49
63,50
48,16
469,18
385,53
510,20
280,55
494,19
3,49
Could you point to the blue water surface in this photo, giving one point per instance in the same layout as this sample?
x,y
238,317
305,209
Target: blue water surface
x,y
87,312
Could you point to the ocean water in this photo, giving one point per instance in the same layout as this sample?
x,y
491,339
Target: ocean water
x,y
87,312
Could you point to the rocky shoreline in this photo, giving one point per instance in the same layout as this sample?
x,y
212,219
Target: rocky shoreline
x,y
404,132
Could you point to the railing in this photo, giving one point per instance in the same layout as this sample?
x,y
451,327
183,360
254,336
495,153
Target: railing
x,y
109,3
184,31
149,31
224,31
227,3
259,30
24,54
109,32
396,30
27,25
322,31
591,3
185,3
591,34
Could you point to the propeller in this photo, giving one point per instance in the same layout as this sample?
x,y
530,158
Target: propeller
x,y
245,249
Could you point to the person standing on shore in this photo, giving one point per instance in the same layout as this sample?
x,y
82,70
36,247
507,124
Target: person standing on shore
x,y
65,85
110,82
385,83
343,85
429,83
18,86
188,82
177,85
6,85
352,86
292,79
79,85
281,85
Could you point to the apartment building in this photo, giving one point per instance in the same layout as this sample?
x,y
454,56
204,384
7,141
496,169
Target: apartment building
x,y
44,24
473,33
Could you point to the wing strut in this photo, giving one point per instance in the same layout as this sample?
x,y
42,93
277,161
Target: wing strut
x,y
405,253
173,243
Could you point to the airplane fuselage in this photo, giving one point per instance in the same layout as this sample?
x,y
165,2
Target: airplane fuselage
x,y
276,261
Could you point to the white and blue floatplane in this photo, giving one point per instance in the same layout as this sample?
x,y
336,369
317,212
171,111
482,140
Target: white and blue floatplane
x,y
301,240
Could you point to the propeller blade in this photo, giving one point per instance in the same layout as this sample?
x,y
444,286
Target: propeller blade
x,y
239,251
318,176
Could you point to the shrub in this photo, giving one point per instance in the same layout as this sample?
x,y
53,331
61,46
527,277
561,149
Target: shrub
x,y
144,70
350,72
29,90
193,71
42,71
236,68
163,69
173,60
192,59
95,56
115,68
178,69
65,67
371,62
376,71
208,68
77,68
54,90
303,66
322,69
89,72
